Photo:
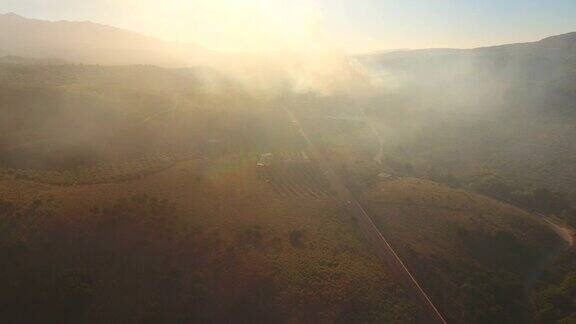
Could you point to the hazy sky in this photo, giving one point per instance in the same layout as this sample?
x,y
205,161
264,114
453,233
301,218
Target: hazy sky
x,y
353,25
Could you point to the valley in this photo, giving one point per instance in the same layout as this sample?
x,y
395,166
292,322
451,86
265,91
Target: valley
x,y
140,184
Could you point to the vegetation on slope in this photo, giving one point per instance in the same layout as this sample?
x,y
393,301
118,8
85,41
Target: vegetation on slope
x,y
193,233
202,241
470,252
89,124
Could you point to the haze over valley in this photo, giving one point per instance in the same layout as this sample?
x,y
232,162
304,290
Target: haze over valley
x,y
278,175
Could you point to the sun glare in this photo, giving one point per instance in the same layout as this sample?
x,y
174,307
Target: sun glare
x,y
230,25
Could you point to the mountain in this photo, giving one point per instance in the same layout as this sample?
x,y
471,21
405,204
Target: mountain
x,y
91,43
508,109
532,73
561,45
20,60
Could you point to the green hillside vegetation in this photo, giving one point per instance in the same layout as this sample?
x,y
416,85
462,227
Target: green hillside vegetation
x,y
554,295
470,252
555,301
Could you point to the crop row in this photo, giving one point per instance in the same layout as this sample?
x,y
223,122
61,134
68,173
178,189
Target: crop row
x,y
103,173
302,180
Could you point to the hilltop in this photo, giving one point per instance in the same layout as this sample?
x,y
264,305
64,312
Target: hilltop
x,y
91,43
557,44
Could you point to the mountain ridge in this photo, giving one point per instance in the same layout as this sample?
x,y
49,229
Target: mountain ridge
x,y
564,41
91,43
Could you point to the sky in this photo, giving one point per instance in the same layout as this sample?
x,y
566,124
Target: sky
x,y
354,26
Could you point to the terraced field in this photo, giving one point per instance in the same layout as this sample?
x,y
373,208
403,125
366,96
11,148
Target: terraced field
x,y
103,173
293,175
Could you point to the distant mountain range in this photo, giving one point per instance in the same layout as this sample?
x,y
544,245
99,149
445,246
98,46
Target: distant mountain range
x,y
31,61
24,40
543,71
91,43
556,47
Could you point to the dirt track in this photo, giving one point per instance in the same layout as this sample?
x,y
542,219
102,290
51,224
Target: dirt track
x,y
428,313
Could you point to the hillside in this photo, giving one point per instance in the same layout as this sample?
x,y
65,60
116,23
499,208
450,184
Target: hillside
x,y
175,221
205,240
29,61
274,178
558,45
280,249
506,111
471,253
175,215
91,43
525,75
149,112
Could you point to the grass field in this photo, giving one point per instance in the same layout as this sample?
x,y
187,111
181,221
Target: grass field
x,y
203,240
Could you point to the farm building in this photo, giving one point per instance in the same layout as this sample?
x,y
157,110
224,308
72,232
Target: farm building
x,y
265,159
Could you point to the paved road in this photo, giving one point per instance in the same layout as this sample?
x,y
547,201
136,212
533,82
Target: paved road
x,y
428,313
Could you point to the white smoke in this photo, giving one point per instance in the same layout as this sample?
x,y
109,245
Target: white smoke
x,y
265,43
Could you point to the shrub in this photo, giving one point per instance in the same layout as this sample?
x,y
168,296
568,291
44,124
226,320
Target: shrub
x,y
296,237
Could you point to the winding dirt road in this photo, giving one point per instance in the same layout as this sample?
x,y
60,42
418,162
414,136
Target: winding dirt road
x,y
566,234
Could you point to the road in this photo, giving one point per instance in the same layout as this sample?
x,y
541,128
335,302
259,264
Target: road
x,y
428,313
565,233
567,236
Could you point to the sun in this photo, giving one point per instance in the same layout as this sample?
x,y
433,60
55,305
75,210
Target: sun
x,y
229,25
